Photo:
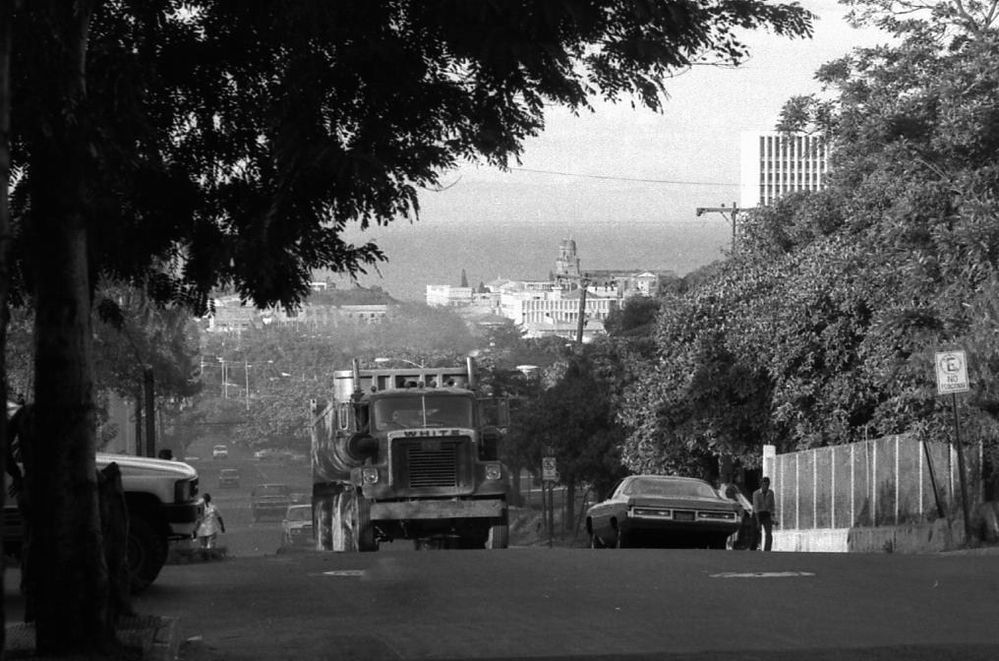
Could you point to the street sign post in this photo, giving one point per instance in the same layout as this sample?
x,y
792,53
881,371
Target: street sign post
x,y
549,469
952,378
549,476
952,372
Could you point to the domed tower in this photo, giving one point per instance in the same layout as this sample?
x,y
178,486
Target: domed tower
x,y
567,264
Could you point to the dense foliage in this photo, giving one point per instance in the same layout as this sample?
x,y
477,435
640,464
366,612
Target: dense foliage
x,y
822,329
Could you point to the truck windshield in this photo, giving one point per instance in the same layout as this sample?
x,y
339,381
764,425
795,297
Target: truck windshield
x,y
417,412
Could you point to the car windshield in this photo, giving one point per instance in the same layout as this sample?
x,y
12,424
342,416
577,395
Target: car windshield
x,y
649,486
300,513
427,411
229,471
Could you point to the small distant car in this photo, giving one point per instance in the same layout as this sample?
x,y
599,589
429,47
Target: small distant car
x,y
229,478
220,451
663,510
296,528
269,500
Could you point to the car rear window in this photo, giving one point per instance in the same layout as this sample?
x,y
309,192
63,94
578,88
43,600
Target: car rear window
x,y
674,488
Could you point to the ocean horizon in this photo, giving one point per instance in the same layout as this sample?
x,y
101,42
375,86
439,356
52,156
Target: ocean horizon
x,y
422,254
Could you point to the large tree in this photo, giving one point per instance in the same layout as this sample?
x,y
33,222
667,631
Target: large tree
x,y
822,328
181,145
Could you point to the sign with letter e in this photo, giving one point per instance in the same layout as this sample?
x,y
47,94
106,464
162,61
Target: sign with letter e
x,y
549,470
952,372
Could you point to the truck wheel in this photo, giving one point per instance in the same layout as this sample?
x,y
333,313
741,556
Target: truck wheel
x,y
147,553
499,537
351,523
364,530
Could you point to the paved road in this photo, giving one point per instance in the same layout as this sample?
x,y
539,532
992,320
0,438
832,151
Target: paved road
x,y
575,603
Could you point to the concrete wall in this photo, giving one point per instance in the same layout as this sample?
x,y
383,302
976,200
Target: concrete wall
x,y
931,537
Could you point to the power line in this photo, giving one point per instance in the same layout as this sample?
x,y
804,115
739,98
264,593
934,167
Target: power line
x,y
617,178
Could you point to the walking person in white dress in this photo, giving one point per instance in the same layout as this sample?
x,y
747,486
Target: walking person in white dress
x,y
210,524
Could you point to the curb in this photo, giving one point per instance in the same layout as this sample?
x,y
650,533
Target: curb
x,y
149,637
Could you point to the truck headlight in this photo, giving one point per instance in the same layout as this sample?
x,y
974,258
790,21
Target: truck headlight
x,y
185,490
494,471
369,475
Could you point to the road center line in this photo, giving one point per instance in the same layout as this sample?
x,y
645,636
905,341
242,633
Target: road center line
x,y
762,574
344,572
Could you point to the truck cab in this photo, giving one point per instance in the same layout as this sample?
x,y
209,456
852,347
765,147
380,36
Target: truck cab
x,y
405,454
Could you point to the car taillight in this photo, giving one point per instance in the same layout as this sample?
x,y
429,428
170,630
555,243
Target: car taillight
x,y
650,512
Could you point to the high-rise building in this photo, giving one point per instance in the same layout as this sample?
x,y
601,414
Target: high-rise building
x,y
777,163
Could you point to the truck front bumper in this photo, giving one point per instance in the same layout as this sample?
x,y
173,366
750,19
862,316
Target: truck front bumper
x,y
437,509
181,517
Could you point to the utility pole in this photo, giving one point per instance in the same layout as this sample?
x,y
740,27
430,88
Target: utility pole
x,y
731,214
584,282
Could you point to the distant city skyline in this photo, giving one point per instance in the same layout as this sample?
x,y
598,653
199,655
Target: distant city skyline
x,y
618,170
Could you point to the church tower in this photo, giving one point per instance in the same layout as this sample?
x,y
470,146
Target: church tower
x,y
567,264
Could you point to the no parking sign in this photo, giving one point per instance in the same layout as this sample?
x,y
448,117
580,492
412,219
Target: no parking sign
x,y
549,470
952,372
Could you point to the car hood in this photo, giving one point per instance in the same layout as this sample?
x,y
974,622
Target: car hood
x,y
147,466
294,525
679,502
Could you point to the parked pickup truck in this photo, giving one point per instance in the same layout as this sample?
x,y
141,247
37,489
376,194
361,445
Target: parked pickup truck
x,y
162,506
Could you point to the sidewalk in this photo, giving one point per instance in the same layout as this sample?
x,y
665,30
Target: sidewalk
x,y
143,637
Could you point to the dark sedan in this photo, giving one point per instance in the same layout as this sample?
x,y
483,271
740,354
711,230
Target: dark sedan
x,y
661,510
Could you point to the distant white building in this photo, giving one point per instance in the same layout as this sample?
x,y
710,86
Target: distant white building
x,y
773,164
552,307
448,296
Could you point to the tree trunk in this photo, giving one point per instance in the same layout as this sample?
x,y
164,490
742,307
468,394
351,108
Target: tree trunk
x,y
65,559
6,16
138,424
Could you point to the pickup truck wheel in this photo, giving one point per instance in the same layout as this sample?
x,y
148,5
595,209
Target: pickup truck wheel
x,y
499,537
147,553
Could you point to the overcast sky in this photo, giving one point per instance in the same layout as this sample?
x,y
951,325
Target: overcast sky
x,y
683,158
693,142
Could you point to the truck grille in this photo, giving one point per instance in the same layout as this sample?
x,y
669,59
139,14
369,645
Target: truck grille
x,y
434,465
432,468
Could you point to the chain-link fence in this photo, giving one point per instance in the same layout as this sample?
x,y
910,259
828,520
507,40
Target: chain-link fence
x,y
882,482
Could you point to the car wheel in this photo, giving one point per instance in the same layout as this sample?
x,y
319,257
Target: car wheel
x,y
595,541
622,539
147,553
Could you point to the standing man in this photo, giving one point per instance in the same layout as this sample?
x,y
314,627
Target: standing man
x,y
763,511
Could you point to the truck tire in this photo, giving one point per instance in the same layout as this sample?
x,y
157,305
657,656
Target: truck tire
x,y
499,536
365,531
351,523
147,553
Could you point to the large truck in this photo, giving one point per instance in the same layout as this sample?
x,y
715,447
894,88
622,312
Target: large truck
x,y
407,454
